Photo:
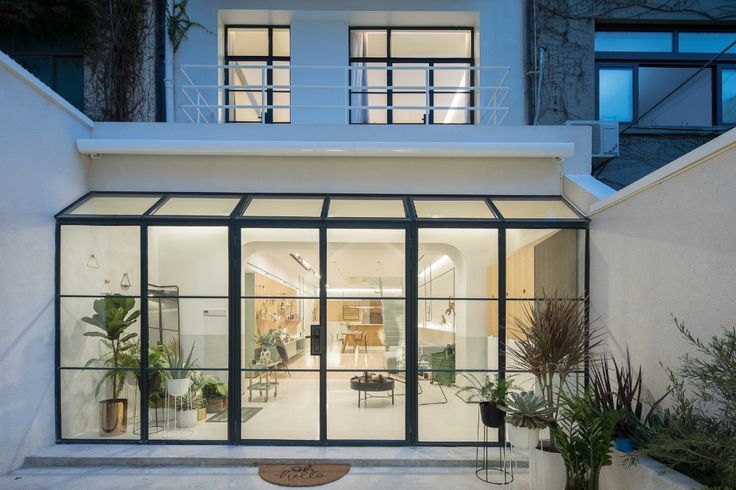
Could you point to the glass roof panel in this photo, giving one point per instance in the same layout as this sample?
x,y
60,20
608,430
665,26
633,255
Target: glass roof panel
x,y
284,207
366,208
198,206
116,205
535,209
466,208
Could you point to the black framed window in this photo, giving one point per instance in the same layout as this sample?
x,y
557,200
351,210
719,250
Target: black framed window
x,y
257,74
404,75
637,68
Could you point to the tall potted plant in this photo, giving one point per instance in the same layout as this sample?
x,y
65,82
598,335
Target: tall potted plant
x,y
492,396
526,414
113,315
180,368
554,343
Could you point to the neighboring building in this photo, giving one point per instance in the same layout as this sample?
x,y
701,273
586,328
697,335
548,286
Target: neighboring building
x,y
620,61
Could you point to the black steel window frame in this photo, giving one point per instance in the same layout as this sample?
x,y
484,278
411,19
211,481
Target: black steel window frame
x,y
389,60
268,59
235,223
672,59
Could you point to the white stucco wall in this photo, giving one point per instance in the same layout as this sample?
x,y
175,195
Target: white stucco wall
x,y
665,246
320,38
41,173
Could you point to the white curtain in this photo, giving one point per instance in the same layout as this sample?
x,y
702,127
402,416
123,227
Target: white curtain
x,y
358,77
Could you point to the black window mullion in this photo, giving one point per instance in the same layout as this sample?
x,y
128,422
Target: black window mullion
x,y
389,80
143,373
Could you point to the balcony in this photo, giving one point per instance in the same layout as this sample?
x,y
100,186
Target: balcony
x,y
361,93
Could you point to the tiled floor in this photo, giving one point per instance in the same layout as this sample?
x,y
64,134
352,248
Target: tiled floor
x,y
242,478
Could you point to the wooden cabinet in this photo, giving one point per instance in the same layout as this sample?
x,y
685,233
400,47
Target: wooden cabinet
x,y
546,266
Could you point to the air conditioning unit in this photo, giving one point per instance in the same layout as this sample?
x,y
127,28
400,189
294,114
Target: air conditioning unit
x,y
605,137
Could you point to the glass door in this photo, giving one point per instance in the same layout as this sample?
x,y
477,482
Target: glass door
x,y
280,308
365,358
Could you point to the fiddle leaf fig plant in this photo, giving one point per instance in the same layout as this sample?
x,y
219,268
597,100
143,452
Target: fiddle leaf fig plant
x,y
113,315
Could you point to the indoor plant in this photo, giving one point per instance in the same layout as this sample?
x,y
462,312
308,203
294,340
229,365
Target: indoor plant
x,y
113,315
179,369
553,343
215,392
583,434
526,414
492,395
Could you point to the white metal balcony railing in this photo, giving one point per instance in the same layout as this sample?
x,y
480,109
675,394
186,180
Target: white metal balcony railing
x,y
476,94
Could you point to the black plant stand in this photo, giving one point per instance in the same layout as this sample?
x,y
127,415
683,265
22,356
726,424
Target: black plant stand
x,y
484,469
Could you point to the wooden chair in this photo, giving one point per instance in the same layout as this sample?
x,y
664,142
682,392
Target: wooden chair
x,y
361,337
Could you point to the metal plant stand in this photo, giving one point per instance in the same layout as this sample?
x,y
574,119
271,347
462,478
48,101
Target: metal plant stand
x,y
484,469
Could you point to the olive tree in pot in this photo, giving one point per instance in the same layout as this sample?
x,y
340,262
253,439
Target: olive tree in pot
x,y
526,414
113,316
554,342
492,397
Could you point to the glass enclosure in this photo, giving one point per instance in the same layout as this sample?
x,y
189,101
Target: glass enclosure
x,y
299,317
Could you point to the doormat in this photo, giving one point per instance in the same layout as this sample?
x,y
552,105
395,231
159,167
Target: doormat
x,y
246,413
302,475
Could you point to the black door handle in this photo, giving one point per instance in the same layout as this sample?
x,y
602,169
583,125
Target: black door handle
x,y
315,346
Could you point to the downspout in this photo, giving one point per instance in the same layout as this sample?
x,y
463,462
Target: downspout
x,y
169,64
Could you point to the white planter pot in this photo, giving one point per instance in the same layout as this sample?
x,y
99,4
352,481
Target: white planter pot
x,y
547,470
186,418
177,387
521,437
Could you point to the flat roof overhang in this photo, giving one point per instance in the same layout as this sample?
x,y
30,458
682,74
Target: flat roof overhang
x,y
112,146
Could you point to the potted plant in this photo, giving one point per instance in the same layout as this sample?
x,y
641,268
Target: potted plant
x,y
583,435
186,415
626,396
201,405
492,396
215,392
179,369
526,414
554,342
113,315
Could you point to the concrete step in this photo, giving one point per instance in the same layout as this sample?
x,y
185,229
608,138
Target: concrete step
x,y
89,455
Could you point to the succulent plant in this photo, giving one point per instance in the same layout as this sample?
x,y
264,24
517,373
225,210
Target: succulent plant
x,y
529,410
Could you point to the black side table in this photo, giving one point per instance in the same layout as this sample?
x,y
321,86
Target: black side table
x,y
360,383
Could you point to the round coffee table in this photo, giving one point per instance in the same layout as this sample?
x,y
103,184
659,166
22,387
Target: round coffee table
x,y
359,383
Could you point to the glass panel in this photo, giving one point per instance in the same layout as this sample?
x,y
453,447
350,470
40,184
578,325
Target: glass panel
x,y
198,206
540,208
247,41
281,272
458,263
281,42
381,412
431,43
458,334
445,412
291,411
365,263
706,42
116,205
196,410
193,259
728,96
689,106
652,42
89,415
77,349
471,208
99,260
366,334
368,44
291,208
251,110
363,76
544,262
409,116
366,208
616,94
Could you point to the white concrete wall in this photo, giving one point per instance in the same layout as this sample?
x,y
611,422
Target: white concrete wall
x,y
320,37
41,173
664,246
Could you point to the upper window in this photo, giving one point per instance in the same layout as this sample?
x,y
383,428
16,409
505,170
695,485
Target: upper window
x,y
257,60
411,76
659,79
